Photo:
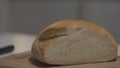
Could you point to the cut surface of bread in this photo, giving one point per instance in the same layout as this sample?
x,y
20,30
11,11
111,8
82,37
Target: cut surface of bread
x,y
74,43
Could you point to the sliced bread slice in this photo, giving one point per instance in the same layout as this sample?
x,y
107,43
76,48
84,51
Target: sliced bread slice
x,y
74,42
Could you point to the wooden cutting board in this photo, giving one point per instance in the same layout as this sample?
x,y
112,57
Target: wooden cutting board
x,y
25,60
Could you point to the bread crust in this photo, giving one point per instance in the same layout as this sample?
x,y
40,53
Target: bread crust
x,y
67,24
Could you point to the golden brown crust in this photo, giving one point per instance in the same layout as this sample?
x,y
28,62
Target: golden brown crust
x,y
67,24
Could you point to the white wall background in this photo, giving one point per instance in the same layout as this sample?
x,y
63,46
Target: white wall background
x,y
31,16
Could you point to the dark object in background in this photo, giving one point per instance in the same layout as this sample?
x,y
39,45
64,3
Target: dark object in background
x,y
6,49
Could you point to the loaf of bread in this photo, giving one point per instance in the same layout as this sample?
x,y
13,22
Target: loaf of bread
x,y
70,42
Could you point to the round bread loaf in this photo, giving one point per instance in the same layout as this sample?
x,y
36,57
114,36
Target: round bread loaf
x,y
74,42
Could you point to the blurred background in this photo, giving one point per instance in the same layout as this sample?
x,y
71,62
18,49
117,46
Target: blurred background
x,y
31,16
